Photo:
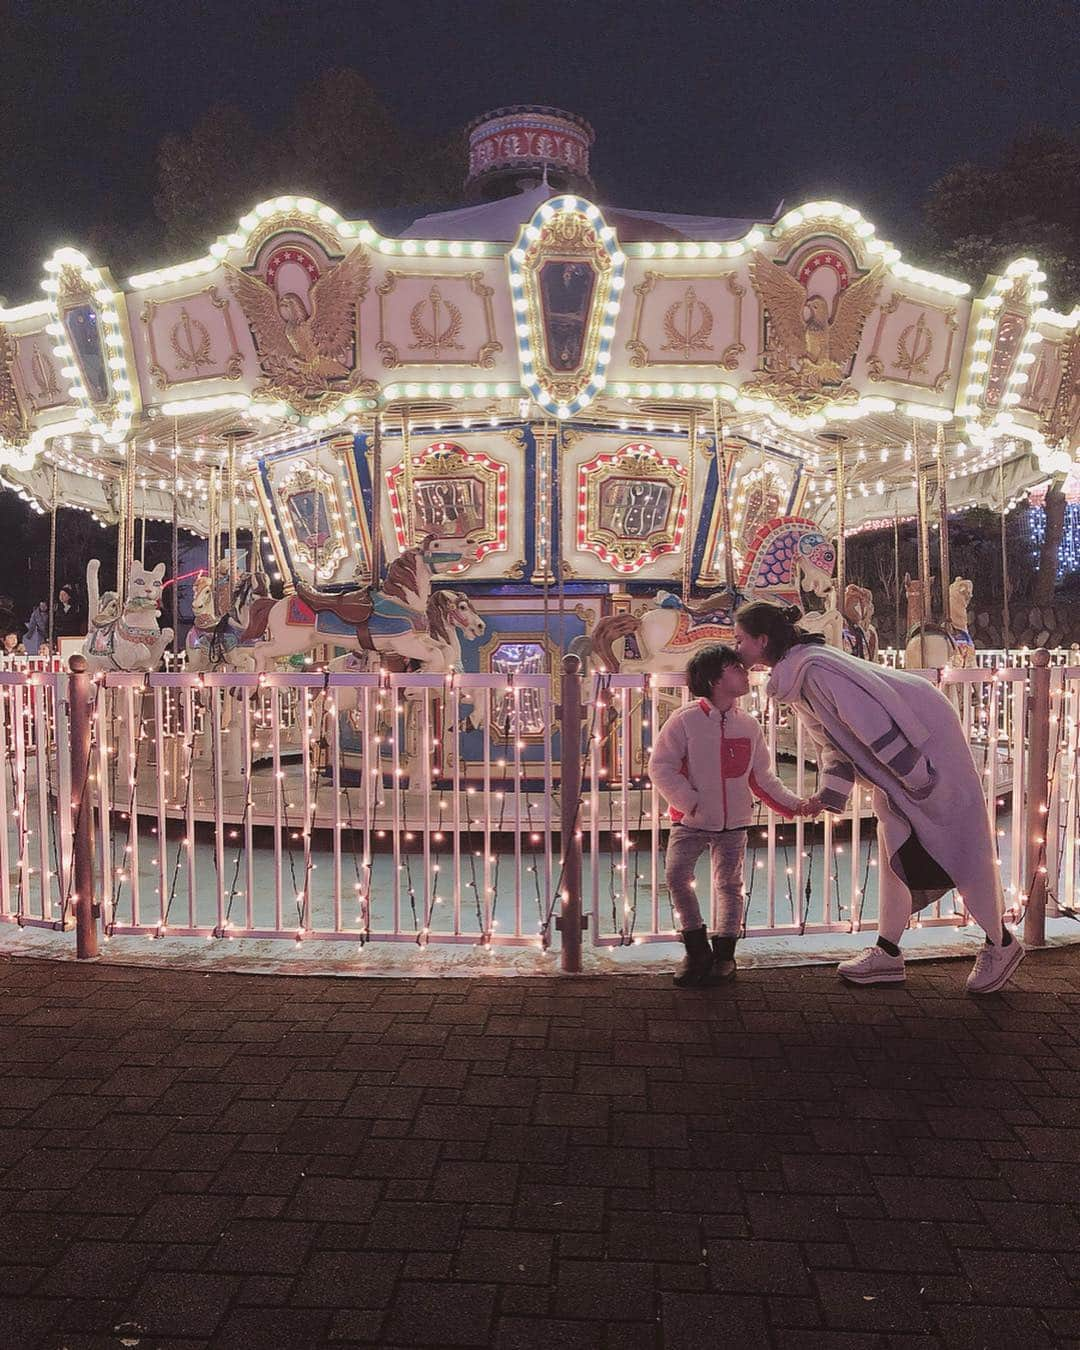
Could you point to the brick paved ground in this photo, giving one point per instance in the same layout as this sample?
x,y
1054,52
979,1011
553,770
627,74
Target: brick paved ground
x,y
235,1161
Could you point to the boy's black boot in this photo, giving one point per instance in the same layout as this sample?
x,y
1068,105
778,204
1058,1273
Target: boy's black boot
x,y
697,964
723,951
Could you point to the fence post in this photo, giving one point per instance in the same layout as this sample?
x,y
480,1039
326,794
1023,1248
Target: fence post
x,y
1035,825
82,805
569,921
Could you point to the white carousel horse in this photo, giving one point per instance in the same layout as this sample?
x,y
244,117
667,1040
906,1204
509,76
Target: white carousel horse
x,y
860,635
127,637
392,619
788,561
449,615
935,646
214,640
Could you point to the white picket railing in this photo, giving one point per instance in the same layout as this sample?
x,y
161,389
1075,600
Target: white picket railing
x,y
353,807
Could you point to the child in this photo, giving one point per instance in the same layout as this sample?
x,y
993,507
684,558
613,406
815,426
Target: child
x,y
710,760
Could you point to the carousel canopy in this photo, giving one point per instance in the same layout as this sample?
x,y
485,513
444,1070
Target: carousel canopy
x,y
803,335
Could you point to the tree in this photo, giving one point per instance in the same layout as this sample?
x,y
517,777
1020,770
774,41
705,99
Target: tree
x,y
1046,577
979,218
209,178
341,145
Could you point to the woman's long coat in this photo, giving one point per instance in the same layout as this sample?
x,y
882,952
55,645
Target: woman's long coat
x,y
900,736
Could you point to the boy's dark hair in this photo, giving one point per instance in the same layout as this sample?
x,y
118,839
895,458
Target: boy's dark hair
x,y
706,666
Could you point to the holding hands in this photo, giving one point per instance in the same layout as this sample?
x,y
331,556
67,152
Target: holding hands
x,y
811,806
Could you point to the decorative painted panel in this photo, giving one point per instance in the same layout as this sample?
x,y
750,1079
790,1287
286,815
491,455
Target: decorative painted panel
x,y
313,508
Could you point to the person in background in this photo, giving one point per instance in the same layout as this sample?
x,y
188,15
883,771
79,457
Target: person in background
x,y
710,761
902,737
11,646
37,630
69,617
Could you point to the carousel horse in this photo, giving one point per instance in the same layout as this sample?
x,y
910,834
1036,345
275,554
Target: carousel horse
x,y
932,646
214,640
391,620
449,615
860,635
126,637
789,562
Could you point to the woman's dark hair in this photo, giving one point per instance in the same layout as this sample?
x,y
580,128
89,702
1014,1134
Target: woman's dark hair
x,y
777,624
706,666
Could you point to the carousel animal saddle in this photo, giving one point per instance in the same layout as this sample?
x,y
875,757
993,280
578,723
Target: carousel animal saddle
x,y
351,607
258,618
933,630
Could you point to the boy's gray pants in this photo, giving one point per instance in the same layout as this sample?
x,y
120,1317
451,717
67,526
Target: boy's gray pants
x,y
727,854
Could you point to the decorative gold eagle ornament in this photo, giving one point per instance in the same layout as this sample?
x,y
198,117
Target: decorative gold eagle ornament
x,y
809,350
310,360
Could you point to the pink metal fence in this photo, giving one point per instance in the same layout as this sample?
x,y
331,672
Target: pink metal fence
x,y
350,807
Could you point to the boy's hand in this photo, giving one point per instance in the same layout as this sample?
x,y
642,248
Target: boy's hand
x,y
811,806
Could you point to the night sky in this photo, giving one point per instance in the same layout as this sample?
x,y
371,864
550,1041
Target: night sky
x,y
718,108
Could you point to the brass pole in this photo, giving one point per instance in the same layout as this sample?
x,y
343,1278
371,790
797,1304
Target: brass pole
x,y
407,478
943,525
234,570
176,536
725,504
376,499
215,524
1005,635
896,568
923,543
841,524
689,532
52,556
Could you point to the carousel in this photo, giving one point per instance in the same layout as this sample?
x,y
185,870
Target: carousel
x,y
529,426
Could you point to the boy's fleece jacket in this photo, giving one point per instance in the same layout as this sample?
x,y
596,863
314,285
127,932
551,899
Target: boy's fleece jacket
x,y
710,765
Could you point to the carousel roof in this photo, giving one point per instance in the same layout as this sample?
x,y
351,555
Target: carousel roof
x,y
801,333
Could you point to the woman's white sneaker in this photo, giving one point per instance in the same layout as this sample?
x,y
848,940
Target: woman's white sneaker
x,y
994,966
873,966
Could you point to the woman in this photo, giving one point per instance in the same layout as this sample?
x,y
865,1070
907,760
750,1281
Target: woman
x,y
37,630
898,734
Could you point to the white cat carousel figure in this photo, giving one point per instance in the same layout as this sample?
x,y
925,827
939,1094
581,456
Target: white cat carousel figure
x,y
128,637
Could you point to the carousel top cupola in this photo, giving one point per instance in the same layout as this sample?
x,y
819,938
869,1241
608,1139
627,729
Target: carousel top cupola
x,y
516,148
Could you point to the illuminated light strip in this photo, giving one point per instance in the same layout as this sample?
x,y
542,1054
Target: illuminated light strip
x,y
566,205
36,309
588,468
107,306
359,230
975,380
24,456
826,212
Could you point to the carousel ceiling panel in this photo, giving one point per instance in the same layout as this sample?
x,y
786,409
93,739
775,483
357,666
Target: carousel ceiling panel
x,y
194,341
441,320
469,490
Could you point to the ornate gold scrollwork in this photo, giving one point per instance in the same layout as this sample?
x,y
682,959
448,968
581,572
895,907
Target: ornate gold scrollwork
x,y
436,322
914,347
191,342
14,423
